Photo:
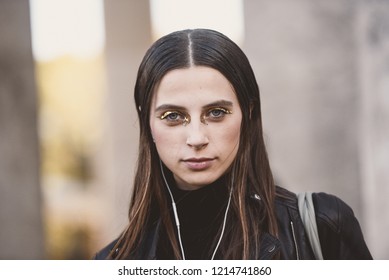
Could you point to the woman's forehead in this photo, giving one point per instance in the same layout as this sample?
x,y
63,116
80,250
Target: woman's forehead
x,y
194,84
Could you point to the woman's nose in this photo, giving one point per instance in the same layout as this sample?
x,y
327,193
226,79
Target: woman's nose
x,y
197,135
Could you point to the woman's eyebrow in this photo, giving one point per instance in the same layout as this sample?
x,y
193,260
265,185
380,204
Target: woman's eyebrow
x,y
219,103
169,107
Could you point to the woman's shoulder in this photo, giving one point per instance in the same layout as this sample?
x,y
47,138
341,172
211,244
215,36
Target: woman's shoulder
x,y
105,251
339,230
332,210
327,206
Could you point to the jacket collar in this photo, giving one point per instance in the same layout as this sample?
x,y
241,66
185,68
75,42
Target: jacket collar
x,y
269,245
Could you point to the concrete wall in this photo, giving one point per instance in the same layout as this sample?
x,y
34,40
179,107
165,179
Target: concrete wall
x,y
373,34
322,68
21,234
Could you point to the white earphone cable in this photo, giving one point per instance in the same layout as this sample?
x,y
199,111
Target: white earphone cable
x,y
224,226
178,221
174,211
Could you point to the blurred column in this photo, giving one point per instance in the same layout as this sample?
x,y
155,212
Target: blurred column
x,y
128,35
21,234
373,31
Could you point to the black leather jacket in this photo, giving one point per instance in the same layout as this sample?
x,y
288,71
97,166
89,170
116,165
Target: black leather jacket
x,y
339,232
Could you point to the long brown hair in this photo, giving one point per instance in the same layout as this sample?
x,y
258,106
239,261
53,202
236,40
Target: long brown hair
x,y
250,172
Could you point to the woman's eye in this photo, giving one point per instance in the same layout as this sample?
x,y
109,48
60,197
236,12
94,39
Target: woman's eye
x,y
173,117
218,113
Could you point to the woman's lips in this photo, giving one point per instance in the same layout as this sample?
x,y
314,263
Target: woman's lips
x,y
198,164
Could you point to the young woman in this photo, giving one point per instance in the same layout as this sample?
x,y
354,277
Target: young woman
x,y
203,187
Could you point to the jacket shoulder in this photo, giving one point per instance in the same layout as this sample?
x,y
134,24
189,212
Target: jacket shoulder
x,y
340,234
286,197
332,210
105,252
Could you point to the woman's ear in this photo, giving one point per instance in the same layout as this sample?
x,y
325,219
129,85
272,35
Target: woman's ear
x,y
251,109
152,135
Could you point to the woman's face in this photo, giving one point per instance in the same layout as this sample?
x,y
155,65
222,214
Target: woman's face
x,y
195,121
